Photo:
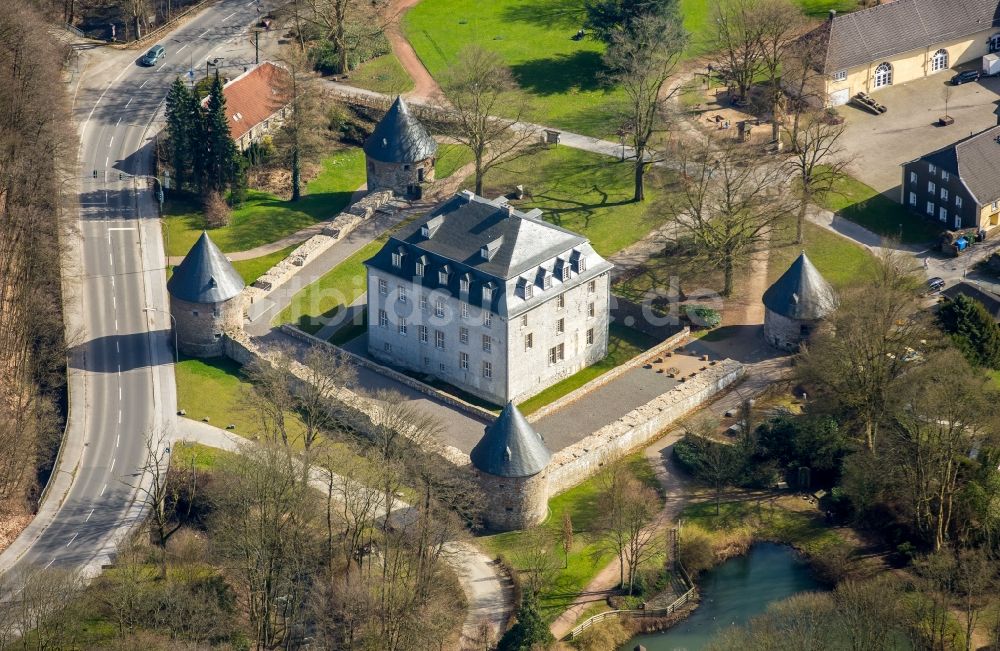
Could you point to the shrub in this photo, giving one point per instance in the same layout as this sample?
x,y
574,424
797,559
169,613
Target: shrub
x,y
324,57
217,211
702,316
609,634
973,330
528,631
694,549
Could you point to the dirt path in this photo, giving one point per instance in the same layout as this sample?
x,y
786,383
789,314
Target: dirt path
x,y
424,86
660,457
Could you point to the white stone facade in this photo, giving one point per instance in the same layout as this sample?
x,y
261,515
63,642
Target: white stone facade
x,y
430,331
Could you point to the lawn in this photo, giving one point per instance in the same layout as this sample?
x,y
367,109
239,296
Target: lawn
x,y
450,158
264,218
623,344
861,204
202,457
586,193
561,76
586,557
382,74
841,261
253,268
324,298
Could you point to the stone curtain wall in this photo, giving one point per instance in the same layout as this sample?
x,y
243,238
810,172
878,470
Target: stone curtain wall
x,y
572,465
643,318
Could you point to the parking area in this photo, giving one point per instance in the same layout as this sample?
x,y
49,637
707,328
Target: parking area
x,y
876,145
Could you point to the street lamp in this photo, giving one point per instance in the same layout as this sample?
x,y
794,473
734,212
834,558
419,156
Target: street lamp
x,y
213,63
174,319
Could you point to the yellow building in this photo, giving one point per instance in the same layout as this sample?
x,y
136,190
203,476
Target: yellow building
x,y
903,40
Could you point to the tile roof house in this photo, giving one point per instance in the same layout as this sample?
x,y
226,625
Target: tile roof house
x,y
494,301
899,41
256,102
957,186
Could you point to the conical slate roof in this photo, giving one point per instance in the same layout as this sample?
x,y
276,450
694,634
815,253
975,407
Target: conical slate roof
x,y
205,275
510,447
801,293
400,138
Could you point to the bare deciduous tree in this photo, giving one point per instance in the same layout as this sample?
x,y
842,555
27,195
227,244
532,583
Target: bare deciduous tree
x,y
335,17
781,22
815,163
737,43
479,88
626,509
298,140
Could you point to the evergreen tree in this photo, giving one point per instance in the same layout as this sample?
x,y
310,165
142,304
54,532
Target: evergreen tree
x,y
222,160
606,17
196,141
973,330
528,631
181,126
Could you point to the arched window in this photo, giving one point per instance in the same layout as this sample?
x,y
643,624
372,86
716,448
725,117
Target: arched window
x,y
995,43
883,75
939,61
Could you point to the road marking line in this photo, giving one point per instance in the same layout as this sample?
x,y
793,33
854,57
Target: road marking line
x,y
143,84
111,142
126,105
111,260
114,303
104,489
107,159
112,465
116,325
119,228
119,417
183,46
161,66
47,566
119,393
118,349
119,437
205,32
229,16
89,514
72,539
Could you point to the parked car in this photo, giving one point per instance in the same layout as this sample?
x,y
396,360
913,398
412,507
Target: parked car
x,y
965,76
935,284
155,54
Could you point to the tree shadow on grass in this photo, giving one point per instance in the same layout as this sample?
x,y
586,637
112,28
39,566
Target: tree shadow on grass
x,y
556,14
562,73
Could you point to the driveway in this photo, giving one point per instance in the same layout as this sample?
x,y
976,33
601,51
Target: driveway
x,y
877,145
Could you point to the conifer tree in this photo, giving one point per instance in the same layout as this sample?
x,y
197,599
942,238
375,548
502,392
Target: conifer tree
x,y
180,126
221,164
973,330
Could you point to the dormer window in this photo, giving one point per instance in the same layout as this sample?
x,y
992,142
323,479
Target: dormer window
x,y
431,226
488,292
397,257
562,269
487,251
464,283
443,274
579,261
524,288
546,280
421,265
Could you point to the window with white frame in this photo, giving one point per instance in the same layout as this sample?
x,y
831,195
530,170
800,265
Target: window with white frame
x,y
996,204
944,194
883,75
529,341
592,287
930,207
439,339
488,292
383,287
958,201
840,75
932,168
913,198
943,214
547,281
463,361
556,354
487,344
958,222
560,301
488,319
465,310
438,307
488,370
560,326
463,284
422,334
939,61
931,188
524,288
590,309
443,276
383,319
524,320
913,177
945,175
590,336
397,259
421,265
463,335
402,294
402,326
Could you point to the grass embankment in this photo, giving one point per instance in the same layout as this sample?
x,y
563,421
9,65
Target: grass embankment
x,y
853,200
841,261
450,158
265,218
382,74
253,268
623,344
587,557
586,193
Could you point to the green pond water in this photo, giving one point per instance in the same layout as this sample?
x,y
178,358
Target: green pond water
x,y
732,593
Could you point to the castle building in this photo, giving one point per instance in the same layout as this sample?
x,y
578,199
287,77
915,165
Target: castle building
x,y
796,304
399,155
205,299
510,460
494,301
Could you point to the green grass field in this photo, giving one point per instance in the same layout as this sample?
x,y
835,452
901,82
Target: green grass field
x,y
841,261
382,74
450,157
623,344
861,204
586,557
252,269
265,218
587,193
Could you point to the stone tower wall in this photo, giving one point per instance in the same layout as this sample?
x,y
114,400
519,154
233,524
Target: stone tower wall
x,y
784,333
513,502
200,325
397,177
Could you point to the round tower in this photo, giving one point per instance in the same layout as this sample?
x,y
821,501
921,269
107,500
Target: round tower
x,y
205,299
399,155
510,462
796,304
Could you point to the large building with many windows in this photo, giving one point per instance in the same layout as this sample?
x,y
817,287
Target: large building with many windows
x,y
957,186
494,301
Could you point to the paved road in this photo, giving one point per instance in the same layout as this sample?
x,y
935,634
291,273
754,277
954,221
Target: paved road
x,y
121,377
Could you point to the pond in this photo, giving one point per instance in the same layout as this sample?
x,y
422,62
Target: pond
x,y
732,593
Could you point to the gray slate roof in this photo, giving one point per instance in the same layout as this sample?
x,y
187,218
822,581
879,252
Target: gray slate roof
x,y
205,275
801,293
990,300
871,35
510,447
400,138
976,161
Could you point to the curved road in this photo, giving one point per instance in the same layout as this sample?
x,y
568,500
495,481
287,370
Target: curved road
x,y
121,373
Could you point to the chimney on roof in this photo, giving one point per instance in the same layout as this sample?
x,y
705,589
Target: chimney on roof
x,y
833,14
509,210
468,194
